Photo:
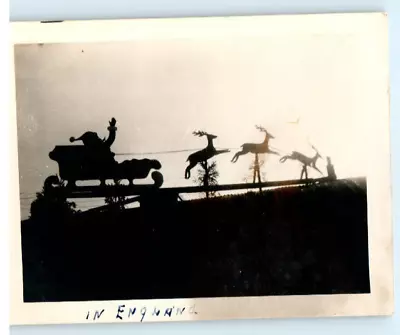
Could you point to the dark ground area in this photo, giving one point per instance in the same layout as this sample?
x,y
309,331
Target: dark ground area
x,y
296,240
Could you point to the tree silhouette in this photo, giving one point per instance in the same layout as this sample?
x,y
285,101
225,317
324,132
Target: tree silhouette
x,y
115,201
51,202
207,175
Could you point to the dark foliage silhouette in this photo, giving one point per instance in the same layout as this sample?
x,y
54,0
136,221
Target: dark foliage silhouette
x,y
296,240
49,214
207,175
292,240
51,202
115,202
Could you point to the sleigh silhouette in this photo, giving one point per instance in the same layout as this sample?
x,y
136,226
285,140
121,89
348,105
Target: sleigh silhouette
x,y
78,163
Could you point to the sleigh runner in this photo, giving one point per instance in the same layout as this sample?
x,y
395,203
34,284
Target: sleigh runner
x,y
75,164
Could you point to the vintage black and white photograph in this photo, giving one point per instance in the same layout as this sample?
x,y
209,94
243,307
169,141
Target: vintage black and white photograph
x,y
204,167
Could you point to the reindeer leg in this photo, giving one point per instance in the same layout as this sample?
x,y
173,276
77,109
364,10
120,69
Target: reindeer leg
x,y
236,157
187,171
303,171
318,170
283,159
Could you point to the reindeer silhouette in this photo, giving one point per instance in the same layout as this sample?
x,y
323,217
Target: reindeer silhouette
x,y
306,161
256,148
202,155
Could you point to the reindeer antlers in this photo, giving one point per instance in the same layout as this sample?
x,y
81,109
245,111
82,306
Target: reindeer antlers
x,y
261,129
199,133
314,148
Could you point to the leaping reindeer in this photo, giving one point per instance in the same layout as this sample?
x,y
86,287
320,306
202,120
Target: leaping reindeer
x,y
306,161
256,148
204,154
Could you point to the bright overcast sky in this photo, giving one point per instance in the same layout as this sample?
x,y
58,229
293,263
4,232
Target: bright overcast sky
x,y
160,91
